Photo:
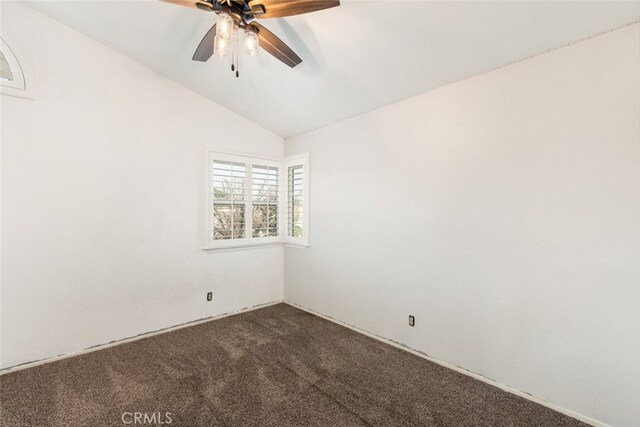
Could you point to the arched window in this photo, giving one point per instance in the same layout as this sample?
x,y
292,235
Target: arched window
x,y
5,69
13,78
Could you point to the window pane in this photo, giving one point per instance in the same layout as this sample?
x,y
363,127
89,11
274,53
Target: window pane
x,y
5,68
264,180
221,222
228,196
238,222
295,201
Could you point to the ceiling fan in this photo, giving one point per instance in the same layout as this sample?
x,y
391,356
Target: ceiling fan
x,y
235,15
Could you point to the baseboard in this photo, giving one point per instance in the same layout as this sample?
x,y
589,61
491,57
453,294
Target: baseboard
x,y
401,346
538,400
31,364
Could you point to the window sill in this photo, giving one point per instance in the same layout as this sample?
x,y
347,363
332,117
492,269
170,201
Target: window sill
x,y
245,246
296,245
240,246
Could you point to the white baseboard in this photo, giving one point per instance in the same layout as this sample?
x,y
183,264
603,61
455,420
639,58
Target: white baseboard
x,y
565,411
482,378
130,339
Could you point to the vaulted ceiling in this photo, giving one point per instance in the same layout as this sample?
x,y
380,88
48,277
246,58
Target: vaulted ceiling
x,y
357,57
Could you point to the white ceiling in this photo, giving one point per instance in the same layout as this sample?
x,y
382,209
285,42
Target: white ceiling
x,y
357,57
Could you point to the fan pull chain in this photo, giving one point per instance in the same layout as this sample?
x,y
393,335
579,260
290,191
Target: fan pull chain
x,y
233,52
237,56
237,61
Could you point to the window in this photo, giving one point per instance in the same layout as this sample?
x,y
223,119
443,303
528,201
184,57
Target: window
x,y
253,201
265,200
229,200
295,206
297,168
12,73
5,69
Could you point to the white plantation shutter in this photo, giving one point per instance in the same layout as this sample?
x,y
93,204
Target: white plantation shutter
x,y
229,200
265,187
297,182
253,201
295,202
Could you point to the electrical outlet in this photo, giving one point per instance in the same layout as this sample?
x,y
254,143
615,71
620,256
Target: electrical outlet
x,y
209,296
412,320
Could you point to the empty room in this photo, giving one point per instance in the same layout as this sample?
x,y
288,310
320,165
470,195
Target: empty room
x,y
319,213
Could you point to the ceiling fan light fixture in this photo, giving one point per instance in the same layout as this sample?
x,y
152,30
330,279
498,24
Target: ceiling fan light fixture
x,y
251,42
224,26
219,46
234,15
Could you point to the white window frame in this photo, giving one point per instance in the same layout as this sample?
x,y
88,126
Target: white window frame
x,y
248,240
301,159
23,84
209,243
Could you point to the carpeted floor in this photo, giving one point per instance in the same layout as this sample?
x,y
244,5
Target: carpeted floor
x,y
276,366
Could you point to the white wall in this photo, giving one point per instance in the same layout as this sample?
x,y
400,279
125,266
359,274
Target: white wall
x,y
101,191
503,211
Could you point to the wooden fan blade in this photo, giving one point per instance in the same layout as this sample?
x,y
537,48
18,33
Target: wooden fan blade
x,y
276,47
205,48
194,4
280,8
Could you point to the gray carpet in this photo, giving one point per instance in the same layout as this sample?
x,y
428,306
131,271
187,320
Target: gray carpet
x,y
277,366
